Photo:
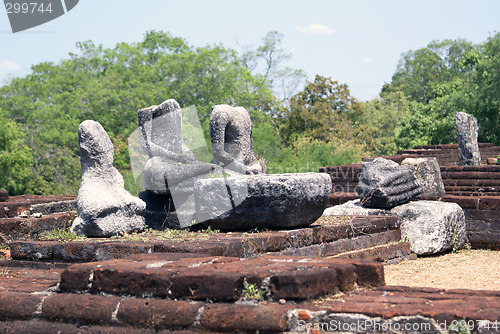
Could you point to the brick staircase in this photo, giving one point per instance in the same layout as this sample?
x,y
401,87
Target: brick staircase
x,y
329,273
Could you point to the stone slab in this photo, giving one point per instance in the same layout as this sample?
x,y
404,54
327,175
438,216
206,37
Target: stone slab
x,y
276,201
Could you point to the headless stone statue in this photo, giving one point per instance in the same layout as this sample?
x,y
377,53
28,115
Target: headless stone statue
x,y
105,208
231,136
171,169
170,164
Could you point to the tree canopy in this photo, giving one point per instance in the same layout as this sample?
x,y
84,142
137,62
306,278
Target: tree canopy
x,y
295,129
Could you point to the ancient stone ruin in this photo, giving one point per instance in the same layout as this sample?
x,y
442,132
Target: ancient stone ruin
x,y
385,184
280,201
468,148
171,169
428,176
105,208
229,194
231,138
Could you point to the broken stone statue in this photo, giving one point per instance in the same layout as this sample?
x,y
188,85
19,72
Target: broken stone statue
x,y
428,175
171,169
104,207
384,184
468,147
231,137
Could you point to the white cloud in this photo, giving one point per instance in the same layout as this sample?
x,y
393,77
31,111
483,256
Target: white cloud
x,y
367,60
8,66
7,70
316,29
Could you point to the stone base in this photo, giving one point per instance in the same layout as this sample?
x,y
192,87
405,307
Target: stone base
x,y
279,201
161,211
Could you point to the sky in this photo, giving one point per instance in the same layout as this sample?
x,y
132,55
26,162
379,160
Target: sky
x,y
354,42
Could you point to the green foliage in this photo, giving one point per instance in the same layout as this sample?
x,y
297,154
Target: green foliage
x,y
442,79
62,234
16,158
380,117
252,292
109,86
323,110
419,71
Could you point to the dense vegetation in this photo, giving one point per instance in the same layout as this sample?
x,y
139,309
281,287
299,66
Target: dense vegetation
x,y
295,128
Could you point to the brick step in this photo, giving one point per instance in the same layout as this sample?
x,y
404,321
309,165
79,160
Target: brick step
x,y
337,198
33,228
390,254
473,193
19,205
483,228
481,168
422,309
472,182
471,175
219,244
207,278
342,246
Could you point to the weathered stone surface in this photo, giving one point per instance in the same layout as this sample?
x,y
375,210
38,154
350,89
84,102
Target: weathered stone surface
x,y
4,196
105,208
195,277
354,207
171,168
18,305
154,313
428,175
231,137
53,207
431,227
85,308
468,148
278,201
245,318
385,184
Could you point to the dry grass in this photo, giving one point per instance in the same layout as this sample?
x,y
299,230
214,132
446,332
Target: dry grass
x,y
467,269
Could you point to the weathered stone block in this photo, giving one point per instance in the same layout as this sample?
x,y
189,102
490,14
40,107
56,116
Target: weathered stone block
x,y
280,201
468,148
385,184
428,175
431,227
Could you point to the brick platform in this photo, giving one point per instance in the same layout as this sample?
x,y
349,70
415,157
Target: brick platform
x,y
194,277
32,302
19,205
350,234
481,180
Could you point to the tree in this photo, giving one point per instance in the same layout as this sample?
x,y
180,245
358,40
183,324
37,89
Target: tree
x,y
15,158
483,93
324,110
442,79
418,72
381,117
267,62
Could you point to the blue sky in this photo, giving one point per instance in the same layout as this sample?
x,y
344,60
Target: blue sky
x,y
355,42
